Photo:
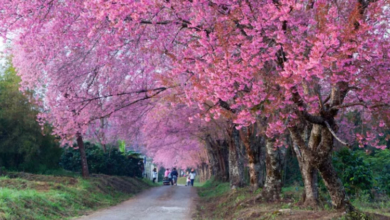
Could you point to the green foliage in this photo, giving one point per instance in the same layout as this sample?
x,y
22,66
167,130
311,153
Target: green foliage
x,y
24,145
111,163
122,146
380,166
354,172
291,173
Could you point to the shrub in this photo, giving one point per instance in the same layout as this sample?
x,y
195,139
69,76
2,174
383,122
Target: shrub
x,y
380,166
110,163
353,170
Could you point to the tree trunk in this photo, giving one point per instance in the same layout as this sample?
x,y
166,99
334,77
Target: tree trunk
x,y
307,168
102,134
217,161
310,179
236,168
223,155
253,142
273,182
254,171
334,186
263,170
207,172
318,154
204,172
84,164
328,173
213,160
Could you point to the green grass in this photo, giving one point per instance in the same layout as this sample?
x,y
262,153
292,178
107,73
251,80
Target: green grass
x,y
60,172
59,198
182,180
197,183
364,203
149,182
210,189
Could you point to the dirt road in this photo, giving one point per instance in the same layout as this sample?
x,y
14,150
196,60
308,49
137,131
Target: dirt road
x,y
159,203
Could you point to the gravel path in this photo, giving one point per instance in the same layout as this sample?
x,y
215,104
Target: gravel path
x,y
159,203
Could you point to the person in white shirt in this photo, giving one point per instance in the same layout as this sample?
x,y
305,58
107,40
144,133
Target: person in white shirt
x,y
188,179
192,176
154,175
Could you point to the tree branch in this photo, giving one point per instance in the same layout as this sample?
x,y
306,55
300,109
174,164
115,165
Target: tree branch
x,y
302,108
335,136
129,104
349,105
317,90
360,104
159,89
225,105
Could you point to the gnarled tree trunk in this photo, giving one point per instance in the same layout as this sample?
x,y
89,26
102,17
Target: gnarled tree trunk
x,y
307,168
84,164
236,167
318,155
253,144
310,179
324,165
273,182
319,149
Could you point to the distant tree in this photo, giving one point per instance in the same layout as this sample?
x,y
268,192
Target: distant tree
x,y
24,144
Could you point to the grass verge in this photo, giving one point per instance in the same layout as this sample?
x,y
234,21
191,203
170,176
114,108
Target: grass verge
x,y
218,201
29,196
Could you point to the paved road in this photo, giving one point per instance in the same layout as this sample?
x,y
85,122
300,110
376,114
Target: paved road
x,y
159,203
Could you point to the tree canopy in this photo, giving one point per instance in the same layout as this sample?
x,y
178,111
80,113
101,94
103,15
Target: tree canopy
x,y
256,72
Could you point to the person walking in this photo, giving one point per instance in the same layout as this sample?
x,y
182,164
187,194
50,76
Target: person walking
x,y
192,177
170,178
166,173
154,175
188,179
174,175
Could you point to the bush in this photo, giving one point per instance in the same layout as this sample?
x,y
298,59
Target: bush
x,y
353,170
110,163
380,166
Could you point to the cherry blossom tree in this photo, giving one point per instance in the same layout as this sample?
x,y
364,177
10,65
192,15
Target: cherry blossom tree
x,y
299,60
299,64
85,71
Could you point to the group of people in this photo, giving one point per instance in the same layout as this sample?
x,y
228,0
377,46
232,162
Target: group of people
x,y
173,175
190,177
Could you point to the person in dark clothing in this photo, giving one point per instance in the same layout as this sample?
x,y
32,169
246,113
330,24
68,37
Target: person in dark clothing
x,y
174,175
